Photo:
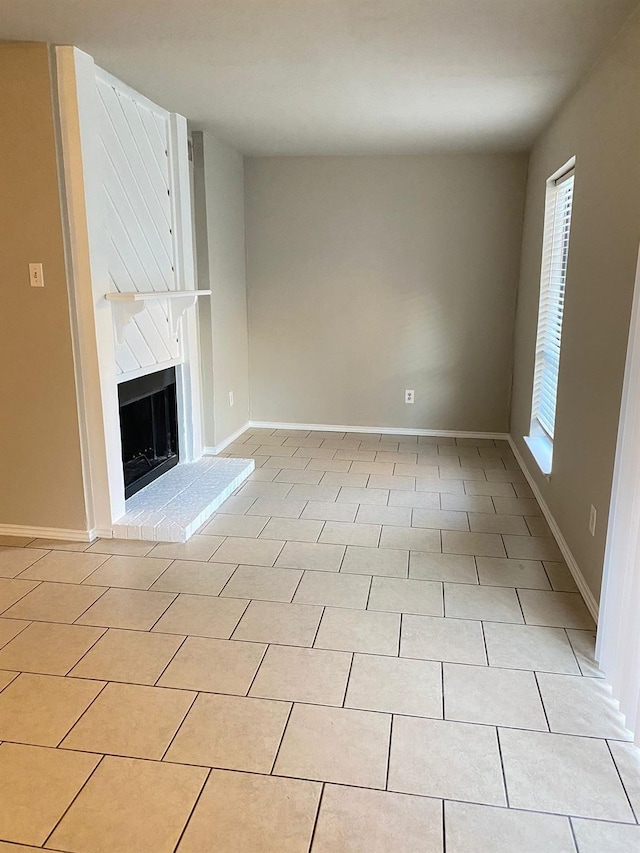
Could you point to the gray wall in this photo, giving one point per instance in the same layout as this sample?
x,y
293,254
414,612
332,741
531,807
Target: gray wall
x,y
40,465
600,124
220,256
371,275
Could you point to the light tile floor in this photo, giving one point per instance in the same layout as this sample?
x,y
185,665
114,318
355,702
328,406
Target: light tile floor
x,y
373,646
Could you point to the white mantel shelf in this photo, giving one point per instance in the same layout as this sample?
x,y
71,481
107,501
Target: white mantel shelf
x,y
141,295
131,303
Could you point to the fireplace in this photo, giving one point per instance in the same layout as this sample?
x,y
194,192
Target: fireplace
x,y
148,427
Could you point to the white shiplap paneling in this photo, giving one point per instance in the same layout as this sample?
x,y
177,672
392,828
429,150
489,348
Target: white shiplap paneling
x,y
135,139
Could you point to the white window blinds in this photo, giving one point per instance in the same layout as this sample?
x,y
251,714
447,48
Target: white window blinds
x,y
555,252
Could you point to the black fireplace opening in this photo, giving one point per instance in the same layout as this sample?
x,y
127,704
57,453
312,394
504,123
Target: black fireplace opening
x,y
149,428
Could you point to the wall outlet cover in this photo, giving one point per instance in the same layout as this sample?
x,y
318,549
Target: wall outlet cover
x,y
36,276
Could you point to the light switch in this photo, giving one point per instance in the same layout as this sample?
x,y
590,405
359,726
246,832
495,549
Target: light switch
x,y
35,275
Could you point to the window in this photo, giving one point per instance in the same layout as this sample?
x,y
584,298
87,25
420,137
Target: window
x,y
553,276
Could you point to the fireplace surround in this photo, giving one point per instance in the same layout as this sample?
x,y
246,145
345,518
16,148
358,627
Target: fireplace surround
x,y
133,292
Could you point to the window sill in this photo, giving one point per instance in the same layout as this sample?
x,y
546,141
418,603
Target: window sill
x,y
541,448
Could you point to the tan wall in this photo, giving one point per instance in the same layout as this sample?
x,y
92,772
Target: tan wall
x,y
220,251
371,275
40,464
600,124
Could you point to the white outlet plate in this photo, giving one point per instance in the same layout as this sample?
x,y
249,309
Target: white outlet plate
x,y
593,515
36,276
230,399
409,396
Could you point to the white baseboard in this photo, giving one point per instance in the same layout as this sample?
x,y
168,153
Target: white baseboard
x,y
213,451
101,533
48,533
574,568
445,433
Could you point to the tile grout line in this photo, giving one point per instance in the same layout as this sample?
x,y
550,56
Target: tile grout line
x,y
317,816
193,808
484,641
346,684
267,646
444,828
239,620
388,768
24,595
504,774
84,654
517,592
366,606
24,627
281,741
73,800
171,603
315,636
181,723
544,707
295,591
624,787
575,656
37,560
573,833
171,659
90,705
172,560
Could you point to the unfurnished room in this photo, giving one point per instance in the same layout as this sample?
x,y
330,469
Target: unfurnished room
x,y
320,425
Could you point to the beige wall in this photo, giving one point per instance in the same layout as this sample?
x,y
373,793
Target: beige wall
x,y
220,254
40,464
371,275
600,124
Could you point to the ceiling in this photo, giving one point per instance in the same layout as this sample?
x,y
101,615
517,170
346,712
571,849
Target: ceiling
x,y
340,76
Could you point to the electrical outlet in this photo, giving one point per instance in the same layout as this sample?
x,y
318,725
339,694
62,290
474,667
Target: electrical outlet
x,y
592,520
409,396
35,275
230,399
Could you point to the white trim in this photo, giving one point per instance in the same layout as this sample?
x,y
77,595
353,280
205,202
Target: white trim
x,y
213,451
49,533
190,404
541,448
587,595
148,369
563,172
617,646
445,433
101,533
143,295
75,81
84,158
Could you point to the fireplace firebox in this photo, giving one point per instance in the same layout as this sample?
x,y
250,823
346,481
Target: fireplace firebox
x,y
149,428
